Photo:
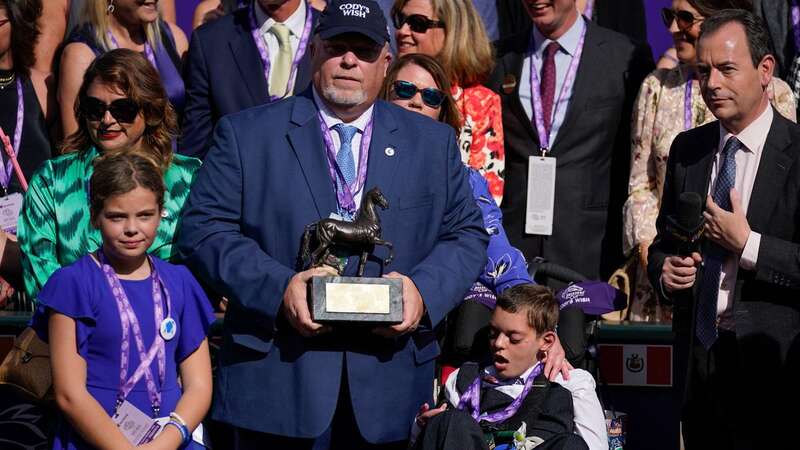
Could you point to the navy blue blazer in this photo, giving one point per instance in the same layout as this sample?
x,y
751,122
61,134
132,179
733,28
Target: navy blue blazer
x,y
264,179
223,75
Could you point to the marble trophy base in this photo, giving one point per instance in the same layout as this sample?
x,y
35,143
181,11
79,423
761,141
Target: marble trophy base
x,y
357,300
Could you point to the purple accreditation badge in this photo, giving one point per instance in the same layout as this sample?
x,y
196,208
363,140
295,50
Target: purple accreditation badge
x,y
593,297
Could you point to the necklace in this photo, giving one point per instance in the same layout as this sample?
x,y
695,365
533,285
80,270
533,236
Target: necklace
x,y
6,81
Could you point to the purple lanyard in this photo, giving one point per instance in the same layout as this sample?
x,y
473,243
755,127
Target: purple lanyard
x,y
130,322
148,51
471,399
588,9
687,103
536,96
264,52
796,25
346,195
5,173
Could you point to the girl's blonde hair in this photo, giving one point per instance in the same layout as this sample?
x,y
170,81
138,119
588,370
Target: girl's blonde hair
x,y
466,56
96,14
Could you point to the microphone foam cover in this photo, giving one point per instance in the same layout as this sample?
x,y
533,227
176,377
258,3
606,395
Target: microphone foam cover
x,y
690,210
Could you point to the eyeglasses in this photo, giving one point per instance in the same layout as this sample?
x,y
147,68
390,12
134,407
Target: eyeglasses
x,y
405,90
363,51
684,19
417,22
123,109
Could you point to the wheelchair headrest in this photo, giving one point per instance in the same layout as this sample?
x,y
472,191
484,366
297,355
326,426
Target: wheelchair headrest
x,y
593,297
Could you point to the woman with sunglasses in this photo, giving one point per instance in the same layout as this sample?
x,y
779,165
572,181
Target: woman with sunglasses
x,y
418,83
452,32
670,102
110,24
121,107
23,103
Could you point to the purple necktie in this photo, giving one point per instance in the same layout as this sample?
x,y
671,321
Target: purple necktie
x,y
548,87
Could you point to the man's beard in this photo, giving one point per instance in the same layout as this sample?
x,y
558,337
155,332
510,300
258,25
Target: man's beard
x,y
342,97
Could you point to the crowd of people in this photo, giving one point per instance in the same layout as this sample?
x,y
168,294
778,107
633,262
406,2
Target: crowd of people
x,y
148,175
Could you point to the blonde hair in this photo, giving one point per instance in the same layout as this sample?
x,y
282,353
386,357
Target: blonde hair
x,y
95,14
467,54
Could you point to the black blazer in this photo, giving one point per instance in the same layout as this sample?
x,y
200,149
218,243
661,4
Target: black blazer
x,y
224,75
766,306
592,147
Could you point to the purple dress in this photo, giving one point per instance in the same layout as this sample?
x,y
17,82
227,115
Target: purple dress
x,y
81,292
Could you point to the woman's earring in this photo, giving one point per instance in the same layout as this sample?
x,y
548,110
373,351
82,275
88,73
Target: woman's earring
x,y
110,7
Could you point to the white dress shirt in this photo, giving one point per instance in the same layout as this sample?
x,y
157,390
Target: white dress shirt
x,y
569,46
748,158
590,421
360,123
295,23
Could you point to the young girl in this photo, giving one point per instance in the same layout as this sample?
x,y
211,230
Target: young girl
x,y
122,325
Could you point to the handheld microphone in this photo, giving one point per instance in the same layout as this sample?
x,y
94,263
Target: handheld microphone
x,y
686,227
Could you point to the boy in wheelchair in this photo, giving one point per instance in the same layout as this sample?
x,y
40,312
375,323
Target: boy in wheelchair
x,y
510,403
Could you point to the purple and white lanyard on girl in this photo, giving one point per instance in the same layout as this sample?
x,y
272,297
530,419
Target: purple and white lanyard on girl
x,y
345,196
796,24
264,52
536,95
471,399
687,104
130,322
5,172
148,51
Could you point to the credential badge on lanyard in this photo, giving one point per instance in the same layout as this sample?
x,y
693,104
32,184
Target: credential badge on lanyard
x,y
11,204
541,191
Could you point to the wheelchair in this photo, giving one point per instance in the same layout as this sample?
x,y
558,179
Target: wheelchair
x,y
465,335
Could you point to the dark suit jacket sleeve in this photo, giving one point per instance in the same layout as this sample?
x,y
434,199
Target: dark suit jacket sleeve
x,y
661,247
779,261
197,122
457,259
211,239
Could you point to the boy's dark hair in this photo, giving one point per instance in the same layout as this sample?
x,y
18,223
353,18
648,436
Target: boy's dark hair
x,y
535,300
758,40
119,173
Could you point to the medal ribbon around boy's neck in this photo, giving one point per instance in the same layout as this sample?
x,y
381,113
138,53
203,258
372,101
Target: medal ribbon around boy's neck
x,y
167,330
471,399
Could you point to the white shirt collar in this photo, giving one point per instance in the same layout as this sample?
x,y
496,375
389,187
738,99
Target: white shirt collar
x,y
296,22
490,370
568,41
754,135
332,119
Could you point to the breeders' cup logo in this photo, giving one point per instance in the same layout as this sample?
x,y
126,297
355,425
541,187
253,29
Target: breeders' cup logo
x,y
572,295
635,363
354,9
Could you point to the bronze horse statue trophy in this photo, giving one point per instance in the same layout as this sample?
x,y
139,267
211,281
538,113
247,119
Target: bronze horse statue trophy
x,y
362,234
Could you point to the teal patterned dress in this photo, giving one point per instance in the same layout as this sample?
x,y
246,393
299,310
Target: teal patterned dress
x,y
54,227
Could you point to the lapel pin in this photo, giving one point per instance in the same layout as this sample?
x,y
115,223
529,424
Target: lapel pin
x,y
389,151
509,83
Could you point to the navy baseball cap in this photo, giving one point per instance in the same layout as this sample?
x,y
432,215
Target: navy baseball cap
x,y
353,16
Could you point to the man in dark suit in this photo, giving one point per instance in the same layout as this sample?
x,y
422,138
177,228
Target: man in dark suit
x,y
588,123
737,319
283,380
226,69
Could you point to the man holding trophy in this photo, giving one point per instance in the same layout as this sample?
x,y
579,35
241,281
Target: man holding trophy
x,y
325,164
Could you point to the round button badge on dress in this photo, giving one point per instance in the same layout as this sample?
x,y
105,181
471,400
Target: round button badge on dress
x,y
389,151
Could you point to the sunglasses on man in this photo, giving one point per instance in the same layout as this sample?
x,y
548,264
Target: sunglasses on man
x,y
367,52
123,109
405,90
417,22
684,19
